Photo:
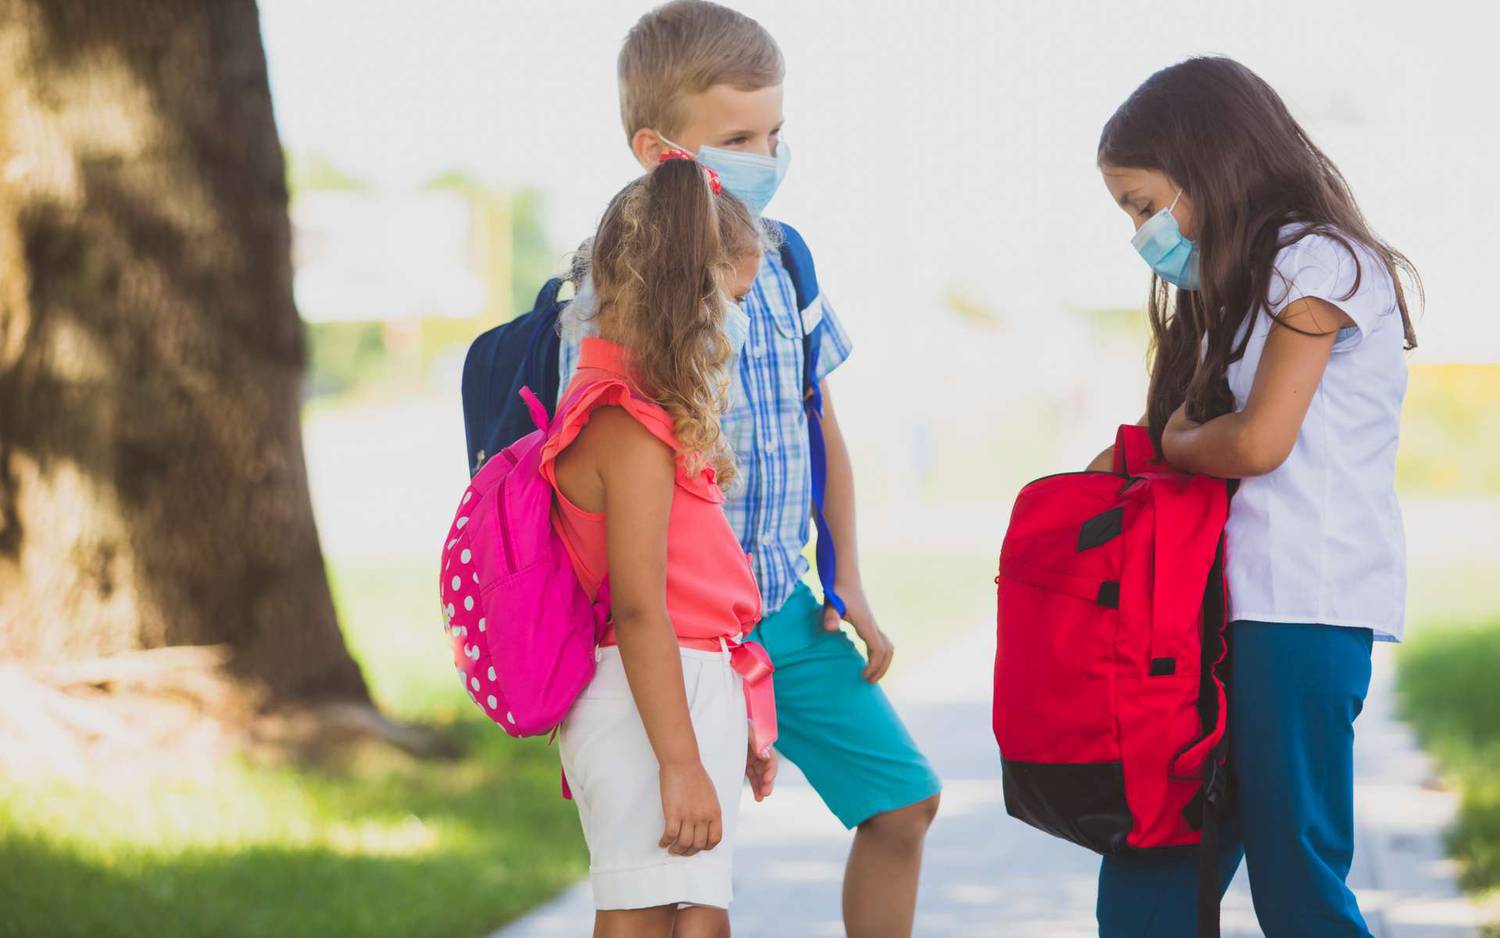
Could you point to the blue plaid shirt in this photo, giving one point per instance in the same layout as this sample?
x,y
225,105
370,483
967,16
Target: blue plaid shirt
x,y
770,506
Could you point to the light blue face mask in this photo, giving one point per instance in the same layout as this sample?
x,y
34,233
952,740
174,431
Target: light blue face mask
x,y
752,178
1160,242
736,327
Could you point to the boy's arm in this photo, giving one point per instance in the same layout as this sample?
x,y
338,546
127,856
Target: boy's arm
x,y
838,508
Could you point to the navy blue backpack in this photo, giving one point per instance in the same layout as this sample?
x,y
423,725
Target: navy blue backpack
x,y
524,352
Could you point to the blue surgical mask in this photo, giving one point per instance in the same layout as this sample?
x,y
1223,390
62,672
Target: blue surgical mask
x,y
752,178
1160,242
736,327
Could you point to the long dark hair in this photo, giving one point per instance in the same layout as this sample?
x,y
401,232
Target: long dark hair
x,y
1224,135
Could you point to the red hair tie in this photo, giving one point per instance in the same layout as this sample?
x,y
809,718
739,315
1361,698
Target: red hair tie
x,y
710,175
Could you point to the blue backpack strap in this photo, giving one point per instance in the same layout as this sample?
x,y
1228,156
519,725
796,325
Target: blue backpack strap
x,y
540,371
798,261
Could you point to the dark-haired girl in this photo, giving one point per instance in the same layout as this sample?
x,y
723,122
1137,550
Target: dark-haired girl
x,y
1280,329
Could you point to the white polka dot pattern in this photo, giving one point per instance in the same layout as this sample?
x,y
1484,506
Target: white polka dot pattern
x,y
521,581
461,610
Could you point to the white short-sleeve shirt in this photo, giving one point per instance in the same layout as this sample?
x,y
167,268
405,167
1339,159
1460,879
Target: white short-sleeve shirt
x,y
1320,539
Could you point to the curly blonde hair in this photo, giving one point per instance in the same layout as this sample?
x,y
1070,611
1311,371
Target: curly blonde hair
x,y
659,263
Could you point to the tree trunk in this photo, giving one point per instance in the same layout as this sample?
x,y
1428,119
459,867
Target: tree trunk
x,y
152,484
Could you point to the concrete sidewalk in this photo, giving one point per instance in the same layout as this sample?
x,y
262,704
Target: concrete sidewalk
x,y
988,875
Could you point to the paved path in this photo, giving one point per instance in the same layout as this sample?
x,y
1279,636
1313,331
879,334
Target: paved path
x,y
987,875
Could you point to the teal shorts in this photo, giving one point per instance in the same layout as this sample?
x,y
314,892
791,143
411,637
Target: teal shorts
x,y
835,726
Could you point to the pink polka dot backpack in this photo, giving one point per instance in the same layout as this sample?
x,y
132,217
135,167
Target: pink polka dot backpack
x,y
523,629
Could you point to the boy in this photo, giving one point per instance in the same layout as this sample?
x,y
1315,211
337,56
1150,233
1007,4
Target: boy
x,y
701,77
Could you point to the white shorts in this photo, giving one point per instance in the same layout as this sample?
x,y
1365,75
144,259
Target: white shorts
x,y
613,773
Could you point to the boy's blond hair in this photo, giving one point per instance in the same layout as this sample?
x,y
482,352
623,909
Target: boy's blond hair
x,y
686,47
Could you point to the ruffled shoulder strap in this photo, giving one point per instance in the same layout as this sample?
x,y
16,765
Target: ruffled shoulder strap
x,y
579,405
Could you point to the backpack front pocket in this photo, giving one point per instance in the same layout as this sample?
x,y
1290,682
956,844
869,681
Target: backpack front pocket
x,y
1055,667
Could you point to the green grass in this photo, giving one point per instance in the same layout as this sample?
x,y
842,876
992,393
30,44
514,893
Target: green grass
x,y
384,846
1447,686
1450,423
923,596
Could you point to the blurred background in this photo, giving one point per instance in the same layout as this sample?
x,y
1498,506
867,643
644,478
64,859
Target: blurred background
x,y
442,161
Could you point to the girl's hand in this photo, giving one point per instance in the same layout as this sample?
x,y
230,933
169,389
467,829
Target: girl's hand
x,y
691,808
760,771
1174,438
879,649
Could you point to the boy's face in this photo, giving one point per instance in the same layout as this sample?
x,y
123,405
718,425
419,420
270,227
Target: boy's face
x,y
722,117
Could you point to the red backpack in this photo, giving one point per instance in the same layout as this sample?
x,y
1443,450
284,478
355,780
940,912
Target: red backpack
x,y
1112,657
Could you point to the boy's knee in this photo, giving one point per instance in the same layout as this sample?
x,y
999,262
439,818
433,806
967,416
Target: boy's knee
x,y
906,825
927,809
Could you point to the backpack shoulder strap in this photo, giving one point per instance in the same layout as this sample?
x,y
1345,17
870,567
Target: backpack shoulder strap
x,y
798,260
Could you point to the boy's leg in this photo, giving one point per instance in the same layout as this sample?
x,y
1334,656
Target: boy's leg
x,y
885,864
1144,897
1296,692
845,736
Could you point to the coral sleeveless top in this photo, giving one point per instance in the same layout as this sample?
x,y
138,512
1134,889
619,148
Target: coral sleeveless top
x,y
711,591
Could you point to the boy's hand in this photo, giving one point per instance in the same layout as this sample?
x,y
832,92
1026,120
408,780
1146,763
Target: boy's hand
x,y
691,808
878,647
761,772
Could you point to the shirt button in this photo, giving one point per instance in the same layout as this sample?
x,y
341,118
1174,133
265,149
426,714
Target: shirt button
x,y
768,446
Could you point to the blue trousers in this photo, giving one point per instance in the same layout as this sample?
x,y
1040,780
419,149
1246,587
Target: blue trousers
x,y
1295,691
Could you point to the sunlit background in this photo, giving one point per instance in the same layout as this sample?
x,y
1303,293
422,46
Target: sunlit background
x,y
445,157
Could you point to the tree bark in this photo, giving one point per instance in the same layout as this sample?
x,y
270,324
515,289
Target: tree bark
x,y
153,489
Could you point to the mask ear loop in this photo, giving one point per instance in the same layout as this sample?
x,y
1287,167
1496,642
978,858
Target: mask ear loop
x,y
677,153
1175,199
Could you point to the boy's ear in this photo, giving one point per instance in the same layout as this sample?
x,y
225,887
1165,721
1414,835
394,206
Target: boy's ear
x,y
647,146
